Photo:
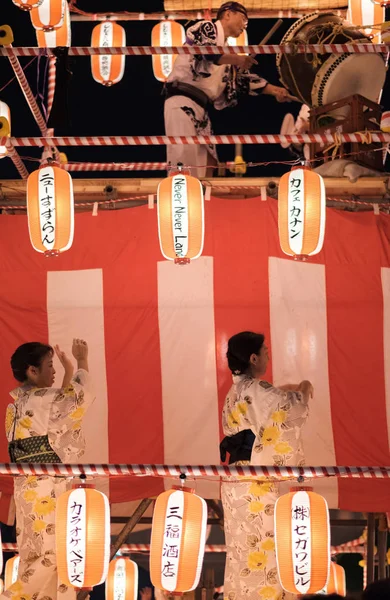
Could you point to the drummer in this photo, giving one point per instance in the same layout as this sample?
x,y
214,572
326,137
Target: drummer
x,y
198,81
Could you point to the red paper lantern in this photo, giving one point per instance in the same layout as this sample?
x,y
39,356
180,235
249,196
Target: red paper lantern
x,y
50,210
82,537
302,541
166,33
178,540
122,580
180,209
108,69
11,571
301,212
49,15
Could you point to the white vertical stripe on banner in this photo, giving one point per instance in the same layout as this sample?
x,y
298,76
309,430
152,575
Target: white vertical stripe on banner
x,y
188,366
299,347
385,272
75,310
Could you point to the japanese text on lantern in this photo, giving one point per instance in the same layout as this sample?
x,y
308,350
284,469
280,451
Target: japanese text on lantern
x,y
295,206
106,41
76,537
46,187
172,539
120,580
180,215
166,40
301,530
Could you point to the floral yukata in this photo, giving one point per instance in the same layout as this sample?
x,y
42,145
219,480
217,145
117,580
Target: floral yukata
x,y
222,84
276,418
57,413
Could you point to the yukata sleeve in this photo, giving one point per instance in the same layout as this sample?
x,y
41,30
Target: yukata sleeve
x,y
71,403
203,34
259,399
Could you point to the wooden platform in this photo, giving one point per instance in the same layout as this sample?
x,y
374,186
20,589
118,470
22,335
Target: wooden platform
x,y
369,189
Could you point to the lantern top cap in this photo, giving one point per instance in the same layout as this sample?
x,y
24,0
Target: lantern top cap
x,y
305,167
301,489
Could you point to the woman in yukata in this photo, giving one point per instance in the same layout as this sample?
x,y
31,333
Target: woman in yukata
x,y
263,424
44,425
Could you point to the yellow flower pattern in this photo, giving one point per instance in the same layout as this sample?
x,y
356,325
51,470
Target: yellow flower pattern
x,y
44,506
283,448
26,422
39,526
276,416
270,436
257,560
267,593
30,495
255,506
78,413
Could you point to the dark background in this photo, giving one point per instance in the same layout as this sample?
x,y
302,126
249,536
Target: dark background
x,y
134,106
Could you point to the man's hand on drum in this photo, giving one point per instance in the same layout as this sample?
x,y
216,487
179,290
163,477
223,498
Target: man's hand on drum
x,y
280,93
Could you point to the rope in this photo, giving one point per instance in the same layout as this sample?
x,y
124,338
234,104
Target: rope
x,y
355,48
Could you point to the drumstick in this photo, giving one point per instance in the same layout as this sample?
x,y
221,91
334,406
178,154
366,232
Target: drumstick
x,y
270,33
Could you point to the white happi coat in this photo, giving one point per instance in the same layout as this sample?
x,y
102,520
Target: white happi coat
x,y
223,84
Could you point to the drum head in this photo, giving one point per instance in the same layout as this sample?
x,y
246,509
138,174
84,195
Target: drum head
x,y
348,74
287,128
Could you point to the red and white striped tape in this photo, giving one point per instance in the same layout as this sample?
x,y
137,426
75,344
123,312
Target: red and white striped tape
x,y
194,471
158,140
217,548
14,156
135,166
190,50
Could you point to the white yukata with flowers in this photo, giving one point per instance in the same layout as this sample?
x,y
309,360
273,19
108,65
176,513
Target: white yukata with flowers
x,y
276,418
222,84
57,413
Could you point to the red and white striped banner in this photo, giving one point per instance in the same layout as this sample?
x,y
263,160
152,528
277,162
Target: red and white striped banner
x,y
191,50
158,332
158,140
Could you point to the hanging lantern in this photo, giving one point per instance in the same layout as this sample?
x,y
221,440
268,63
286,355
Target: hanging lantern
x,y
49,15
178,540
385,121
122,580
180,209
301,212
27,4
336,583
302,541
82,537
5,127
166,34
11,571
366,12
58,38
50,210
108,69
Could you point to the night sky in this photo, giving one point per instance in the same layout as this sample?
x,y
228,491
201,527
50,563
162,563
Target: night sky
x,y
135,105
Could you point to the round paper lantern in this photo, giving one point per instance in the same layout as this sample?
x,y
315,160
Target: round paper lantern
x,y
49,15
385,121
166,33
301,212
27,4
5,127
50,210
178,540
302,541
57,38
122,580
82,537
336,582
11,571
108,69
180,209
366,12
